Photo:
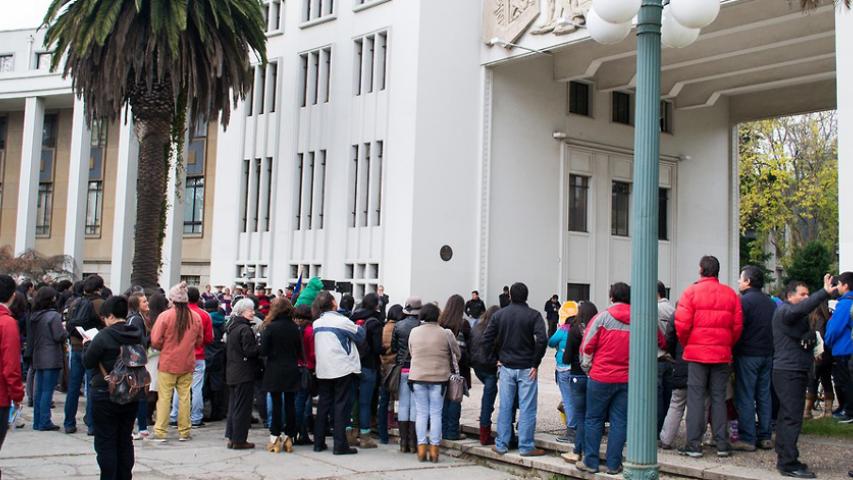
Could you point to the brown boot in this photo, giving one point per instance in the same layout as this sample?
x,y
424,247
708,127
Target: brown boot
x,y
352,437
413,438
404,436
486,436
433,453
807,412
422,453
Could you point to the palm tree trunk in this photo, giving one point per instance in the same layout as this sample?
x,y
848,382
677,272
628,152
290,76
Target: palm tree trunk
x,y
153,112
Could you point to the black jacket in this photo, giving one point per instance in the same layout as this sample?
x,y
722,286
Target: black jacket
x,y
135,319
552,310
46,339
676,350
503,300
281,344
518,334
475,308
370,350
757,337
400,340
103,350
241,352
483,356
571,355
790,324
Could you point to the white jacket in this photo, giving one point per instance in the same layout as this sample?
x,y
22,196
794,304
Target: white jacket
x,y
335,339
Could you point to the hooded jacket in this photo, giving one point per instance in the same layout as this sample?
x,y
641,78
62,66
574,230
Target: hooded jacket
x,y
369,350
46,339
838,328
241,352
309,293
103,351
335,340
708,321
11,385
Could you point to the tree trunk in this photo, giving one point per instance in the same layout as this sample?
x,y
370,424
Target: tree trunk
x,y
153,112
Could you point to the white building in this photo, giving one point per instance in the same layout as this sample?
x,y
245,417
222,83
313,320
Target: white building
x,y
385,133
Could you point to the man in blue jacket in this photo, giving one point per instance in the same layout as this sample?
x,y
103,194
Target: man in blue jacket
x,y
838,339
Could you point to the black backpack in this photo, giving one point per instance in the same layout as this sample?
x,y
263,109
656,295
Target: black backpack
x,y
129,378
81,316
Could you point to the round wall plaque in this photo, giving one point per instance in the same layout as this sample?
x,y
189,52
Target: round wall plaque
x,y
446,253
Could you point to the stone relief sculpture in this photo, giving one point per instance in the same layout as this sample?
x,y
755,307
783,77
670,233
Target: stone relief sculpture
x,y
561,16
508,19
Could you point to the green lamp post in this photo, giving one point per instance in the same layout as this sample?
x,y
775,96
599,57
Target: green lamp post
x,y
676,25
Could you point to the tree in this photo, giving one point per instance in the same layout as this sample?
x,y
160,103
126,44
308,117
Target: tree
x,y
812,4
164,59
809,264
33,265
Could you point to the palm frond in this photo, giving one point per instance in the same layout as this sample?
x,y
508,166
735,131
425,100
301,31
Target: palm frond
x,y
807,5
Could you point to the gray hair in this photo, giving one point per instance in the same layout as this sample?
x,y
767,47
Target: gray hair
x,y
240,307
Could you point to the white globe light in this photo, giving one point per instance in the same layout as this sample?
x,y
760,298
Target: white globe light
x,y
616,11
674,34
606,32
695,13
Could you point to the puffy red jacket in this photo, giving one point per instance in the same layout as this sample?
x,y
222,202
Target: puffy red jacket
x,y
11,385
708,321
607,343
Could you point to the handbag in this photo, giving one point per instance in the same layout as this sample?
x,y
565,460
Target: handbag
x,y
391,380
307,381
456,387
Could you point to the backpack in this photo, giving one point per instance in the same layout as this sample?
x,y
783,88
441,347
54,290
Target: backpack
x,y
129,378
81,316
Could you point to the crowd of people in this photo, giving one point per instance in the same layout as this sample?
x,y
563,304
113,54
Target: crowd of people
x,y
149,361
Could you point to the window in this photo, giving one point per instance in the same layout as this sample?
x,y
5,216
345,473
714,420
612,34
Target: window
x,y
7,63
273,11
244,195
194,184
310,203
579,100
364,278
191,280
272,85
315,76
2,156
665,116
44,203
376,182
366,184
268,194
95,191
622,108
43,60
306,270
578,203
663,214
260,88
256,188
371,63
317,9
43,209
620,208
577,291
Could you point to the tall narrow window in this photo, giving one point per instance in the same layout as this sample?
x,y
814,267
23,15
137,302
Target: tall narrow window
x,y
3,123
95,190
303,60
578,203
44,203
250,101
257,202
382,60
7,63
579,99
357,70
194,185
327,74
309,188
318,204
300,166
665,116
620,209
369,54
43,60
315,76
260,83
268,190
663,214
364,201
622,108
244,197
377,209
354,187
266,9
272,72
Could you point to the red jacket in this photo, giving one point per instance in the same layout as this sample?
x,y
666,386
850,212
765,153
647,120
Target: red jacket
x,y
11,385
607,343
206,328
708,321
309,359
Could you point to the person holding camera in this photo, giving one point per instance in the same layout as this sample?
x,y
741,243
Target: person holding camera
x,y
793,344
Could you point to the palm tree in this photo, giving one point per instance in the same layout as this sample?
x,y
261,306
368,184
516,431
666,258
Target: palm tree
x,y
163,58
812,4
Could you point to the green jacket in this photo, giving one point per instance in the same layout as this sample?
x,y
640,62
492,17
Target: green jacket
x,y
309,292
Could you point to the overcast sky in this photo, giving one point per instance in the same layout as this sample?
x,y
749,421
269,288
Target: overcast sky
x,y
22,14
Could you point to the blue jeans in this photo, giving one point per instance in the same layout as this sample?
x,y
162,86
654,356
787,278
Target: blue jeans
x,y
46,379
429,399
450,415
196,396
303,411
76,376
563,379
603,399
366,384
752,395
382,415
142,414
407,412
577,388
517,382
490,393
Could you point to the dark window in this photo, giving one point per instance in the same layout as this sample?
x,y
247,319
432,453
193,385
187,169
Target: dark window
x,y
577,291
578,203
44,207
579,99
94,204
620,209
663,214
194,205
245,199
622,108
3,133
665,116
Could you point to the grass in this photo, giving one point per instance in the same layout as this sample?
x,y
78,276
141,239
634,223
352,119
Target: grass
x,y
828,427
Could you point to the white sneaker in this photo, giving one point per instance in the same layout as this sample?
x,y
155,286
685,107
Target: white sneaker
x,y
143,435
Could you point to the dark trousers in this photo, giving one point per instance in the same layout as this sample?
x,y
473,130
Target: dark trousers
x,y
843,383
113,426
791,389
664,391
707,379
335,396
289,423
451,414
240,400
577,387
4,424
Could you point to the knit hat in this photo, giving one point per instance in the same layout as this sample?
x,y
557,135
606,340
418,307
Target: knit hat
x,y
178,293
568,310
413,306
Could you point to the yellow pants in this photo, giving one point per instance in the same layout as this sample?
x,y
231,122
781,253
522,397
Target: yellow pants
x,y
166,383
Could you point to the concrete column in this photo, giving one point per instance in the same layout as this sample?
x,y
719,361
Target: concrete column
x,y
124,218
25,228
78,176
844,96
175,197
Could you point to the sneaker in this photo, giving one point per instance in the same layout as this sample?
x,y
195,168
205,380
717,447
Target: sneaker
x,y
199,425
585,468
536,452
159,439
687,452
499,452
141,435
70,430
724,453
563,439
615,471
742,446
185,439
846,419
570,457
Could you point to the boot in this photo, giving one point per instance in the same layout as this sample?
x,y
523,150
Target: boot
x,y
433,453
486,436
287,444
404,436
352,437
828,402
413,438
392,420
422,453
810,399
